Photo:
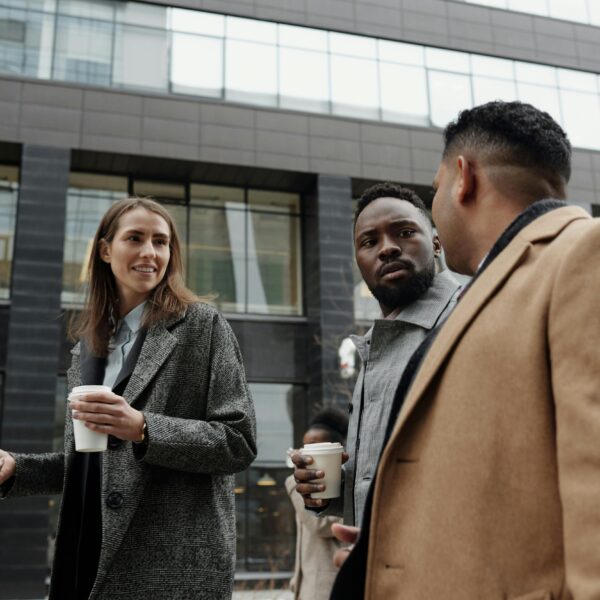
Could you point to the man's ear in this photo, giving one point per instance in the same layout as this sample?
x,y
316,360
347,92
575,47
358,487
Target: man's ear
x,y
104,251
465,182
437,245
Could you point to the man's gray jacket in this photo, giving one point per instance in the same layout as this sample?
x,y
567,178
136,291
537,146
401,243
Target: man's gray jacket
x,y
384,350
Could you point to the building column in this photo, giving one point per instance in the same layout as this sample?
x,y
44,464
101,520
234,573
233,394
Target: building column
x,y
329,287
32,358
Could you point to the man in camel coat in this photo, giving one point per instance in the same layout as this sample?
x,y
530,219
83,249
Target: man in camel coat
x,y
489,485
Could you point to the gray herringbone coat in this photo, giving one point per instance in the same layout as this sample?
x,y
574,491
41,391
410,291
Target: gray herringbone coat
x,y
174,536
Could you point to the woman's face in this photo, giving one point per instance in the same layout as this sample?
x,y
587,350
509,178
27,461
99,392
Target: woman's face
x,y
138,255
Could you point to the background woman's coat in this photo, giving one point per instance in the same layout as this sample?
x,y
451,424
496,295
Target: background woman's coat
x,y
168,514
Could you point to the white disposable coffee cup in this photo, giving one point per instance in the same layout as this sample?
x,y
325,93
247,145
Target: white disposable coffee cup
x,y
87,440
327,457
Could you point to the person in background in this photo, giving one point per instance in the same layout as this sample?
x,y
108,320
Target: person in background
x,y
152,517
314,571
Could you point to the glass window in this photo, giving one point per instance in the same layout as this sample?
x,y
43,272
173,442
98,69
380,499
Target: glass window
x,y
486,89
581,117
303,80
570,10
397,52
245,249
83,50
538,74
352,45
197,65
9,192
302,37
26,40
366,307
594,11
536,7
89,196
87,8
404,94
274,277
447,60
499,68
266,533
354,87
542,97
251,30
577,80
217,245
144,15
449,94
243,61
141,58
193,21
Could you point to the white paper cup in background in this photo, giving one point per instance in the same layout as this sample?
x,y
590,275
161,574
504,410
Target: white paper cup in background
x,y
87,440
327,457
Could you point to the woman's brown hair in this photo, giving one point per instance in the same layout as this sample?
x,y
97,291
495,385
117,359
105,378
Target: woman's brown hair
x,y
169,298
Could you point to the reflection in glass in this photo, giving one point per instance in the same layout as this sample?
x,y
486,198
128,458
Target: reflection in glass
x,y
303,80
273,264
216,255
242,63
581,117
354,87
542,97
398,52
447,60
302,37
196,65
404,94
9,192
83,51
486,89
141,58
89,196
449,94
193,21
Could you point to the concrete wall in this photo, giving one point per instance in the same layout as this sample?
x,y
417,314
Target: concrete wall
x,y
444,23
68,116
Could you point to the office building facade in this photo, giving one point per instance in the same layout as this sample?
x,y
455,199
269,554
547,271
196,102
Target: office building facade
x,y
256,122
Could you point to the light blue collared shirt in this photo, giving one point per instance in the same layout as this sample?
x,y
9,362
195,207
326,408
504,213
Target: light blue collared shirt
x,y
122,342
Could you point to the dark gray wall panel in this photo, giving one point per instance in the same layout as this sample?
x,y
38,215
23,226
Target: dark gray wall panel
x,y
32,358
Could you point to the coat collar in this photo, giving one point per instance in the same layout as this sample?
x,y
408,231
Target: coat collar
x,y
487,284
423,312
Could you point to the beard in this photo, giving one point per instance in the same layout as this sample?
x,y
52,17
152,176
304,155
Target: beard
x,y
404,292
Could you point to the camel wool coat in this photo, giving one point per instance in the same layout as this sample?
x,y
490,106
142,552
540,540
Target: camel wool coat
x,y
489,487
168,514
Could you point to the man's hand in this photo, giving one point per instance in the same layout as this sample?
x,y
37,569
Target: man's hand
x,y
348,535
106,412
304,475
8,466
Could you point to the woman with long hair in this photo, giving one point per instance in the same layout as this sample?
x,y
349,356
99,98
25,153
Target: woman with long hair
x,y
154,515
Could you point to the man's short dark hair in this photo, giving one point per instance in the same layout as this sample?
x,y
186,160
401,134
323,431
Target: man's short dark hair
x,y
390,190
512,133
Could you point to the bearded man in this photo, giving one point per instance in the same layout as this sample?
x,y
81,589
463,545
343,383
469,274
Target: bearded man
x,y
396,249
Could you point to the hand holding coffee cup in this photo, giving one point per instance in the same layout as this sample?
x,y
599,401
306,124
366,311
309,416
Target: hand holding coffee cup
x,y
7,466
97,412
318,472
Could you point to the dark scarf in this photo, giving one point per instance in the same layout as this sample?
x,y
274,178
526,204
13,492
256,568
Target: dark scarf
x,y
351,579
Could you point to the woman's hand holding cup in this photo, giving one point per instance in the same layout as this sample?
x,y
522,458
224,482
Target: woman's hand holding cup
x,y
106,412
8,466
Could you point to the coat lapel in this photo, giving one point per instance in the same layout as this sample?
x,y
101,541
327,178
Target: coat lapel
x,y
129,364
492,279
155,348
